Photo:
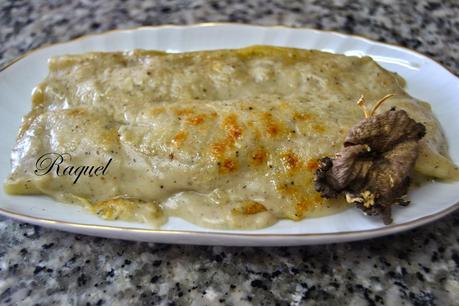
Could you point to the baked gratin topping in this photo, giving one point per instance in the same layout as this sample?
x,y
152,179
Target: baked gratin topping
x,y
223,139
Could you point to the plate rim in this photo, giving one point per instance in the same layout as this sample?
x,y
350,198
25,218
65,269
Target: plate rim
x,y
213,24
345,235
362,234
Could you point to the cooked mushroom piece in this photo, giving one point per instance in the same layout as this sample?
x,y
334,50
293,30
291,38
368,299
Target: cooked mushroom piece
x,y
373,169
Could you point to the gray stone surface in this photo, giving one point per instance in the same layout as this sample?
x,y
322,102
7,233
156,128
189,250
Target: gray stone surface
x,y
420,267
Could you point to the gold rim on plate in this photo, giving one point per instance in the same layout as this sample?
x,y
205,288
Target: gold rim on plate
x,y
210,24
360,234
352,235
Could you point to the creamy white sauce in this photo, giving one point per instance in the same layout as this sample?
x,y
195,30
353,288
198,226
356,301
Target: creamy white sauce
x,y
224,139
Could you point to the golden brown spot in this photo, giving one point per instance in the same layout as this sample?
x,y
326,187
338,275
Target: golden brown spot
x,y
291,160
219,148
259,157
312,164
196,120
179,138
249,208
231,126
233,132
272,126
287,189
272,130
228,165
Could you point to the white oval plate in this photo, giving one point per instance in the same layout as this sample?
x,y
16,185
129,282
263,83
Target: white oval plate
x,y
426,80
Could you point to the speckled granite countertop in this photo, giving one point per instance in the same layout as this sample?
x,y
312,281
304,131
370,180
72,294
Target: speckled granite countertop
x,y
420,267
